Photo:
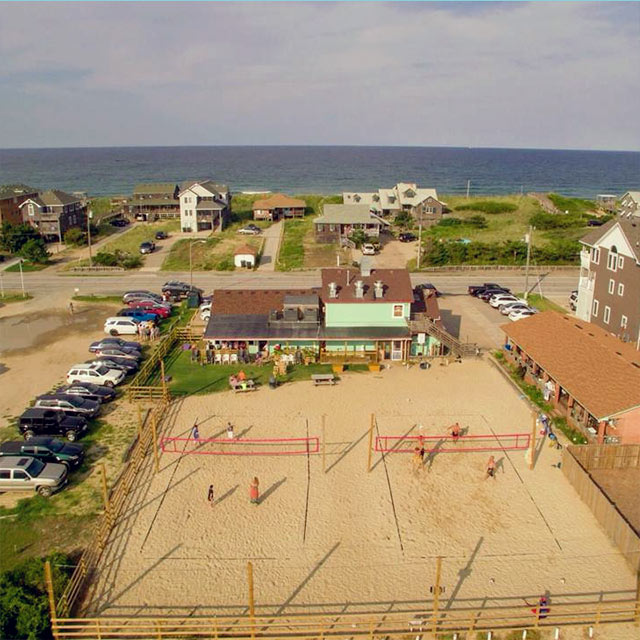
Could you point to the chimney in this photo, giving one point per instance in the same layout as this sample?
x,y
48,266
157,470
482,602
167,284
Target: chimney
x,y
359,289
378,289
333,290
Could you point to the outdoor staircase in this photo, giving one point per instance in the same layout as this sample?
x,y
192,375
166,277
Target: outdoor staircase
x,y
424,324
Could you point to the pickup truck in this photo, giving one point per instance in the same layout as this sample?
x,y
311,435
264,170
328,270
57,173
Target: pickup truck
x,y
45,449
19,473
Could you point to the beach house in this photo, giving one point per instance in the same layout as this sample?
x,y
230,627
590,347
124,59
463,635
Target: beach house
x,y
366,315
11,197
339,221
204,206
154,201
630,204
53,213
406,197
278,206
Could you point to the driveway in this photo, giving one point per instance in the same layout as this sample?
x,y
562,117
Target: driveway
x,y
271,237
393,253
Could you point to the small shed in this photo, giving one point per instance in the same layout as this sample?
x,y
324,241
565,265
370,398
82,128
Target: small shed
x,y
245,256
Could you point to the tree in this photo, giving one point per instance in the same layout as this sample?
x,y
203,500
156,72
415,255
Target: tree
x,y
35,250
14,236
75,237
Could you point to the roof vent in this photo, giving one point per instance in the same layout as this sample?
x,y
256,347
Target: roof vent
x,y
365,266
378,289
333,290
359,289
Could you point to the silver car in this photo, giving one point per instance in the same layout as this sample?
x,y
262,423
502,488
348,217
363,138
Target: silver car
x,y
20,473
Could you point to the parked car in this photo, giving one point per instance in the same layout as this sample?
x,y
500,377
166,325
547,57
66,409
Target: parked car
x,y
45,449
508,307
368,249
502,298
161,235
38,421
205,310
487,294
119,325
523,313
595,222
90,391
475,289
179,290
119,364
134,356
250,230
429,286
114,343
95,374
573,300
147,247
119,222
70,405
140,294
138,314
18,473
162,310
407,237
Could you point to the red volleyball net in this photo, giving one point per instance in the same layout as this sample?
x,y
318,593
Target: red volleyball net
x,y
449,444
241,446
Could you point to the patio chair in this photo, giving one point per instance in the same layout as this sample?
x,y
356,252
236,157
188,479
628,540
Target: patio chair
x,y
218,358
234,358
225,358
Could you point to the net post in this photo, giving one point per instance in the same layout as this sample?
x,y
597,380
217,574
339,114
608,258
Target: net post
x,y
139,422
373,420
324,444
532,444
154,431
252,612
436,595
636,617
105,493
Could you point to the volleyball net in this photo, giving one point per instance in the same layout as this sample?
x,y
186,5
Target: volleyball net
x,y
448,444
241,446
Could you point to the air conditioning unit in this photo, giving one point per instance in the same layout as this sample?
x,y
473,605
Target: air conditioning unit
x,y
333,290
378,289
359,289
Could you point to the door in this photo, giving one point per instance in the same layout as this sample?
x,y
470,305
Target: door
x,y
396,350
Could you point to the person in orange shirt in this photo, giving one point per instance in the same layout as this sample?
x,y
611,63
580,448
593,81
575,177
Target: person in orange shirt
x,y
254,491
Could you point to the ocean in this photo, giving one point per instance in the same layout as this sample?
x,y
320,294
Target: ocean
x,y
326,170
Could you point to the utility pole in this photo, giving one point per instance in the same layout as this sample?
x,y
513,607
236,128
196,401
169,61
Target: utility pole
x,y
89,216
526,271
24,294
420,237
468,188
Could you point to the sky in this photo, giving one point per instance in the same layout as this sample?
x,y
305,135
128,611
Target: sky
x,y
533,75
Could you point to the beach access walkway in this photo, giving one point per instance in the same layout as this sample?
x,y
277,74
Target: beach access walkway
x,y
271,237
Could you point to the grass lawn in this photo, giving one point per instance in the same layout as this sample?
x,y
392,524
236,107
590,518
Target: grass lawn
x,y
189,378
542,303
573,205
14,296
130,240
27,266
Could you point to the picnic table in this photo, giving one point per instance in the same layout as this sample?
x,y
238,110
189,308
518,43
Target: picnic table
x,y
323,378
243,385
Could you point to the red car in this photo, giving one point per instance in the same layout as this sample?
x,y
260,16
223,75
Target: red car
x,y
151,307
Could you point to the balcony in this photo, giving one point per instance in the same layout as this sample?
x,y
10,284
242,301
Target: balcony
x,y
585,259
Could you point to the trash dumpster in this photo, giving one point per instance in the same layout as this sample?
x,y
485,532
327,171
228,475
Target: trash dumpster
x,y
193,300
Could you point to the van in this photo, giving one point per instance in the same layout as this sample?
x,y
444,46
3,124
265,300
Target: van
x,y
121,325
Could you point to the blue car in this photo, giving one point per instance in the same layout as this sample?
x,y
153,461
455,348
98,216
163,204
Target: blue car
x,y
139,315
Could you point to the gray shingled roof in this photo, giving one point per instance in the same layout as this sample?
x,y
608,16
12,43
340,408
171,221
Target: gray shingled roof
x,y
55,198
13,190
348,214
151,188
630,228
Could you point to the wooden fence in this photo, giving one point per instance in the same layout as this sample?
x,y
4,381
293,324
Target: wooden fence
x,y
576,463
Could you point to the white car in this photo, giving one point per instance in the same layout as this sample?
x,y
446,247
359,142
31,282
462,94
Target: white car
x,y
518,315
121,325
98,374
506,309
502,298
368,249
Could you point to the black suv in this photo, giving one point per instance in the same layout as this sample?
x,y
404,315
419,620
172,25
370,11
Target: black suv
x,y
179,290
39,421
46,450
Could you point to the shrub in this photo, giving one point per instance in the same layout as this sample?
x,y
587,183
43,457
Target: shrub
x,y
106,259
35,250
542,220
75,237
450,222
226,264
403,219
488,206
118,258
359,237
15,236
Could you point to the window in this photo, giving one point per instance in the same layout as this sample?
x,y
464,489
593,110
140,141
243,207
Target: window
x,y
595,255
320,228
20,475
623,322
606,315
4,475
612,286
620,289
620,262
612,260
398,311
596,306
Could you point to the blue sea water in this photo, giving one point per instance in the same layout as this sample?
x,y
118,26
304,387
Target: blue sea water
x,y
115,170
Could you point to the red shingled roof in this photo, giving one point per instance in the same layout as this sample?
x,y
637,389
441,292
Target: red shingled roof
x,y
396,285
596,368
232,302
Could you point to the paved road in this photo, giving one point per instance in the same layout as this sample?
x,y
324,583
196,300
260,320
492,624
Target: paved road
x,y
271,247
555,285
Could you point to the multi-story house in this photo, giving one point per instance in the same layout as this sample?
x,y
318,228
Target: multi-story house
x,y
365,315
11,197
630,204
421,203
53,213
609,285
204,205
278,206
154,201
339,221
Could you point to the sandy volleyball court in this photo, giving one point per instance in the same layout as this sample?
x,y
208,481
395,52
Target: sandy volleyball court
x,y
346,539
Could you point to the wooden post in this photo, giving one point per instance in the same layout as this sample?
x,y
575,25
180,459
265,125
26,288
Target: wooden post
x,y
534,427
164,381
154,431
324,444
373,421
52,600
636,618
105,493
252,611
139,423
436,595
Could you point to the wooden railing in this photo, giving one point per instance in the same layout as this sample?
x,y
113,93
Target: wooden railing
x,y
422,323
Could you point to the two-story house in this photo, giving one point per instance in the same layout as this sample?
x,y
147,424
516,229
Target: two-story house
x,y
609,285
11,197
204,205
630,204
155,201
356,315
53,213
